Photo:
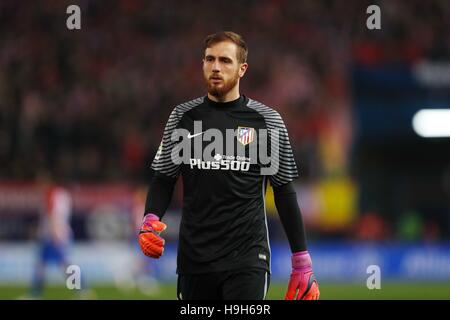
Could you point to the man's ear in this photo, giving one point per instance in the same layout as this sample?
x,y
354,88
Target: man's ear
x,y
242,69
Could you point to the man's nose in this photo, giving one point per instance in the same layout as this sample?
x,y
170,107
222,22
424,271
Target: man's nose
x,y
216,66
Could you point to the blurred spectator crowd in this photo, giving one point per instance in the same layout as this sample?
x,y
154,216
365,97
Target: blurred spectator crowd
x,y
91,104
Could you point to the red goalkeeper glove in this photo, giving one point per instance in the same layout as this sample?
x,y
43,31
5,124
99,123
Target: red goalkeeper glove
x,y
152,245
302,283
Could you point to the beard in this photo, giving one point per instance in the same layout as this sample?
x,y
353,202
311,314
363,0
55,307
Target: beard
x,y
221,89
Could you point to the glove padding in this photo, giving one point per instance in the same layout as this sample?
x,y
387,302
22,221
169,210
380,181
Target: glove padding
x,y
152,245
302,283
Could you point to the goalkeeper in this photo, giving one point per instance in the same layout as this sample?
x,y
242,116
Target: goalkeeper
x,y
224,250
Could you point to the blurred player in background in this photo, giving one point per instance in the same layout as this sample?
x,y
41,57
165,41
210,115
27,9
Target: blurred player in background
x,y
224,250
54,233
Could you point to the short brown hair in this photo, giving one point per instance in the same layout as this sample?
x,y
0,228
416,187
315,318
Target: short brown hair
x,y
237,39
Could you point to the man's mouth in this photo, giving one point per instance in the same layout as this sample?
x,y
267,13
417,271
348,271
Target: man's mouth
x,y
215,79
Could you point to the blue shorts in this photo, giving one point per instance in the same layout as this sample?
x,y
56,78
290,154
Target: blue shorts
x,y
52,252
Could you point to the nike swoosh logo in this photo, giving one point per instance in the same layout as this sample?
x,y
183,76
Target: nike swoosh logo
x,y
190,136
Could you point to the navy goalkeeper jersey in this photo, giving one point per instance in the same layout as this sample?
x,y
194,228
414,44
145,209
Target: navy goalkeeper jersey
x,y
225,153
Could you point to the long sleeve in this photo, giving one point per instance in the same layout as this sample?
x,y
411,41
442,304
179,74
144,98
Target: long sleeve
x,y
290,216
165,169
159,194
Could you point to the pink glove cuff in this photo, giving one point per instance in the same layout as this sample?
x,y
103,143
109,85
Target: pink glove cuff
x,y
148,219
301,260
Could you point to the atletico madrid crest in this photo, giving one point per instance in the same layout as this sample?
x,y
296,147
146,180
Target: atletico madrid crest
x,y
245,135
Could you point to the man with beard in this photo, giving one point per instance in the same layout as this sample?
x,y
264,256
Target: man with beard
x,y
224,250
